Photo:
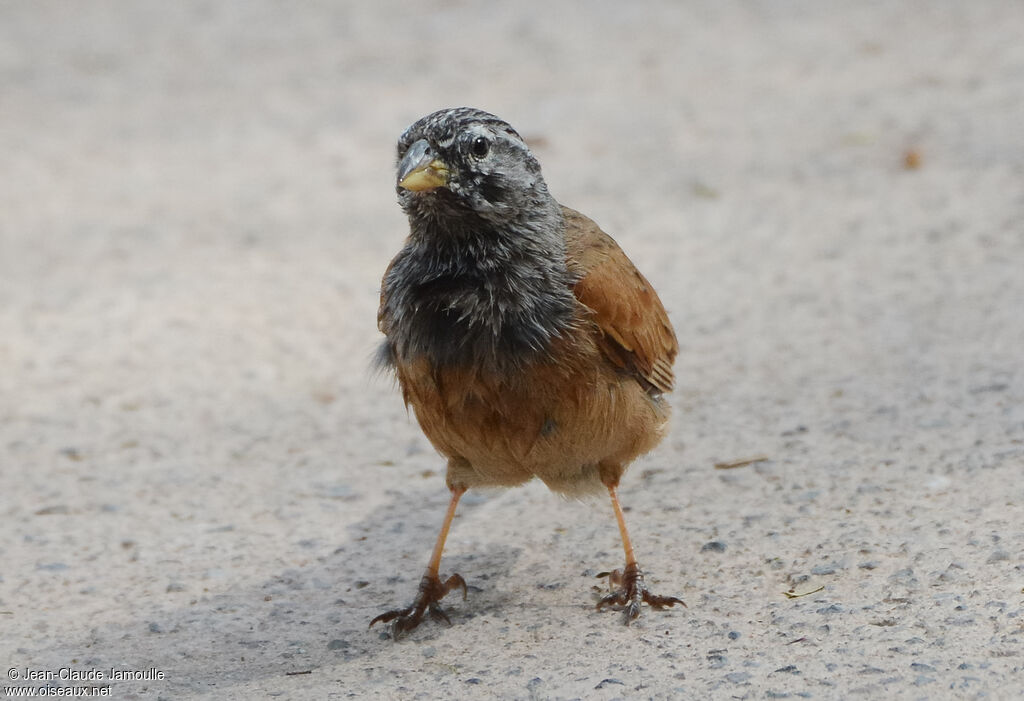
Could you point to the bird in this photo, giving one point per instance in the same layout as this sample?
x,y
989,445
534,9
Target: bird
x,y
524,339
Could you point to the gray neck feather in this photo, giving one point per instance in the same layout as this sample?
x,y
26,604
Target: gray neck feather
x,y
465,290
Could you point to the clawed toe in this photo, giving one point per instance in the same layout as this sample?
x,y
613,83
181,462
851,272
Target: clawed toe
x,y
630,592
430,593
660,602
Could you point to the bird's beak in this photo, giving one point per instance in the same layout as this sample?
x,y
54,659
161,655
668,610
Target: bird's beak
x,y
420,171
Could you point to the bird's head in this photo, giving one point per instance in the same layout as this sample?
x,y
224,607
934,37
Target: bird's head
x,y
464,164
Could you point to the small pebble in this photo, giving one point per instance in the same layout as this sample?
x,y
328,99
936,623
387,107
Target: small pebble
x,y
52,566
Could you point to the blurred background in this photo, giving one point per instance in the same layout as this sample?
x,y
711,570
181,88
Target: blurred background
x,y
196,206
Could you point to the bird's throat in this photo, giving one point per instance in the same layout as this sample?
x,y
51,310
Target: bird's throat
x,y
488,300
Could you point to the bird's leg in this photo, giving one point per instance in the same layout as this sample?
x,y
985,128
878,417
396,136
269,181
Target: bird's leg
x,y
628,588
431,589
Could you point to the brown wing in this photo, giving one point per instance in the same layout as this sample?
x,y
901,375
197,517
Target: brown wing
x,y
636,334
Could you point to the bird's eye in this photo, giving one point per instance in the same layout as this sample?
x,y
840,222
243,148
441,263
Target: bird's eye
x,y
480,147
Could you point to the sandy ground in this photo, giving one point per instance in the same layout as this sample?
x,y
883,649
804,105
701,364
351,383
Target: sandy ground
x,y
202,477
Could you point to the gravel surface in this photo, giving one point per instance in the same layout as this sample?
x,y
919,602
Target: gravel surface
x,y
203,481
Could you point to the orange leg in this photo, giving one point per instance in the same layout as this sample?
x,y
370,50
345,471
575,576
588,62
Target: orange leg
x,y
627,544
628,588
431,589
435,558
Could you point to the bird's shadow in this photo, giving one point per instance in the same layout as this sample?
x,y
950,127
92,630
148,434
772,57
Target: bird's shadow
x,y
296,620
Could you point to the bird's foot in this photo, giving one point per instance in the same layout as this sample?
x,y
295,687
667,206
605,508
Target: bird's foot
x,y
427,600
629,592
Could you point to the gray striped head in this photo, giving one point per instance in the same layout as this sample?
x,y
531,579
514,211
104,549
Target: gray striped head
x,y
476,163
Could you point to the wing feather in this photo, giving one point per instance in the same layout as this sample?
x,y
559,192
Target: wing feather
x,y
635,332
